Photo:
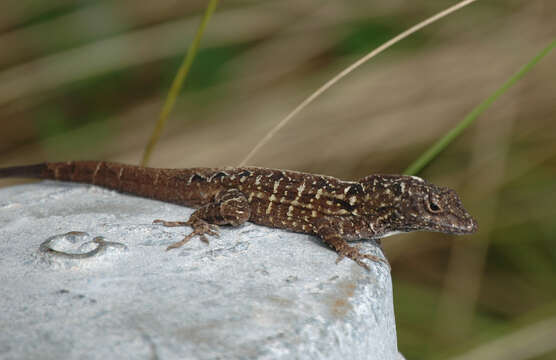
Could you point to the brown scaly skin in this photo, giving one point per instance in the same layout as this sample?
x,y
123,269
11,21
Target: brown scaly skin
x,y
335,210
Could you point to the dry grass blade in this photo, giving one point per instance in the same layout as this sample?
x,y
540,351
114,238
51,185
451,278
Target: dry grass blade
x,y
348,70
33,81
526,343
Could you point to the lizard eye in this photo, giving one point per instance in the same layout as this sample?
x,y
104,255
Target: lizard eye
x,y
433,206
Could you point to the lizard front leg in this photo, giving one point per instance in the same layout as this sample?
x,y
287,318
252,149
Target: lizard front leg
x,y
230,207
331,235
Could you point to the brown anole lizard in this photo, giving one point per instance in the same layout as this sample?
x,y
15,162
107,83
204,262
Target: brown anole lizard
x,y
336,211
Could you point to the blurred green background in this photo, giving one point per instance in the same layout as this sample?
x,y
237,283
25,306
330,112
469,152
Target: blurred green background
x,y
87,79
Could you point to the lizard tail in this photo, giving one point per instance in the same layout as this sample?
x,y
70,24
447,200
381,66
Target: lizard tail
x,y
74,171
105,174
131,179
27,171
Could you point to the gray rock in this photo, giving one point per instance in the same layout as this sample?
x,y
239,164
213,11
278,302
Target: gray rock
x,y
252,293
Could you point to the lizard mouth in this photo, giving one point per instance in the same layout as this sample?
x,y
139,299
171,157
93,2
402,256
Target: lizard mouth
x,y
456,225
468,227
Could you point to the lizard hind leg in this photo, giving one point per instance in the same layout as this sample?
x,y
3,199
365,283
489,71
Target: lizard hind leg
x,y
230,207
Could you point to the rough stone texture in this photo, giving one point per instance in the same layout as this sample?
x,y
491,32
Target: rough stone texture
x,y
255,292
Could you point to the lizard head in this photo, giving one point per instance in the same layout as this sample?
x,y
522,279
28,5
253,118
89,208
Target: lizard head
x,y
409,203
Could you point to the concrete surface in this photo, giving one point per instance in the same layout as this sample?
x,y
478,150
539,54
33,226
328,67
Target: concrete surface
x,y
253,293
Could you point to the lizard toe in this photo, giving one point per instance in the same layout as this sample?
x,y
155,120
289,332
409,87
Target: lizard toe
x,y
340,258
213,230
170,223
354,254
362,264
181,242
376,259
204,239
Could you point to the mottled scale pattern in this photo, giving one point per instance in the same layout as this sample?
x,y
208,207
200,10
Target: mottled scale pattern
x,y
335,210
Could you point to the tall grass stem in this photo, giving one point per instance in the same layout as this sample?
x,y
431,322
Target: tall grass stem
x,y
178,83
443,142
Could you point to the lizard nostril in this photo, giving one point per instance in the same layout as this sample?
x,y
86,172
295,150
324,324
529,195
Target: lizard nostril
x,y
474,225
471,226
